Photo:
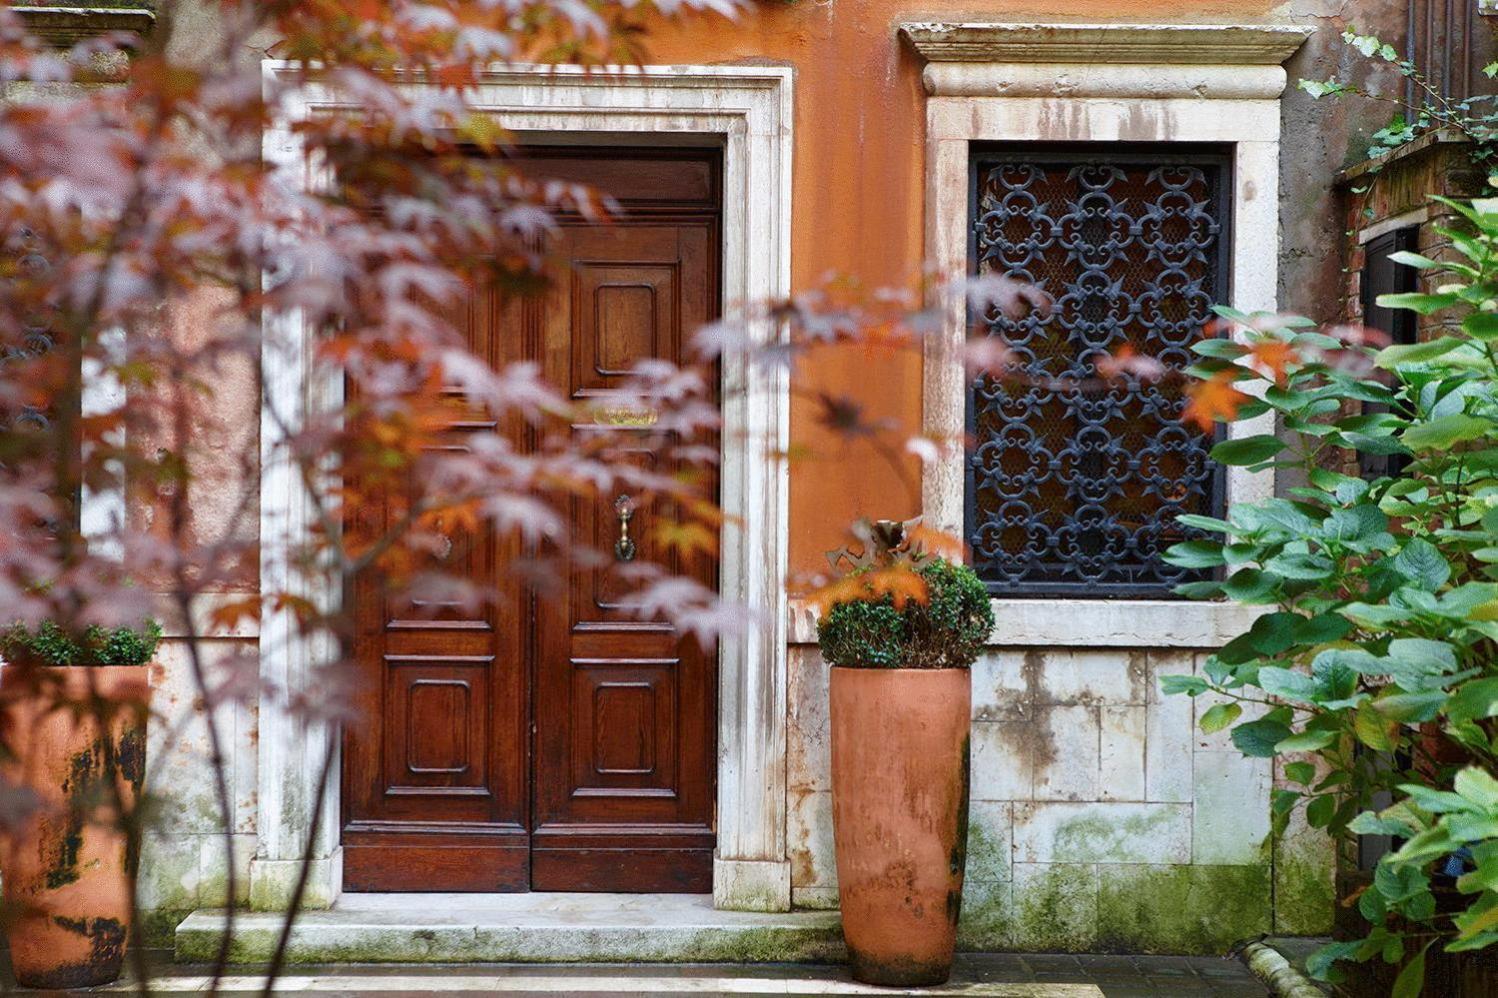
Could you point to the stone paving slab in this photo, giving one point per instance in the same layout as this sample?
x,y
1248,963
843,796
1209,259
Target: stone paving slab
x,y
998,975
601,982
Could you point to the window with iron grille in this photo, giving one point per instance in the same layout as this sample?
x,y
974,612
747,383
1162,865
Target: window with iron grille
x,y
1074,482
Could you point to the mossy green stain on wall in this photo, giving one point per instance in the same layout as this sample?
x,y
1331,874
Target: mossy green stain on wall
x,y
987,916
1055,907
1305,896
1107,839
1181,909
1118,907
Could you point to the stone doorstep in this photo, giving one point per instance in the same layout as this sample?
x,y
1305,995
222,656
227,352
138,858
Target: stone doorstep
x,y
521,928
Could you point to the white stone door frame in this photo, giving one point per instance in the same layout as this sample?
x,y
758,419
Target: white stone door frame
x,y
747,109
995,82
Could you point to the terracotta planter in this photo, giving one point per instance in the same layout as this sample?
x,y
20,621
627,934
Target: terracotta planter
x,y
65,871
899,798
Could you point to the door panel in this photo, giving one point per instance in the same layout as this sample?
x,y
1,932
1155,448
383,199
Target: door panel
x,y
559,743
625,765
436,768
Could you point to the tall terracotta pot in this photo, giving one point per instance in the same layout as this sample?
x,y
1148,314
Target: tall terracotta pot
x,y
899,809
65,870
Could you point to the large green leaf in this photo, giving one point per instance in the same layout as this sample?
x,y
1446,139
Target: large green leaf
x,y
1208,523
1258,738
1411,980
1248,450
1416,353
1420,562
1373,729
1249,585
1417,302
1220,716
1302,567
1282,515
1474,701
1288,684
1219,348
1320,963
1439,434
1478,787
1419,664
1354,523
1321,628
1481,325
1300,772
1306,741
1189,685
1411,708
1195,554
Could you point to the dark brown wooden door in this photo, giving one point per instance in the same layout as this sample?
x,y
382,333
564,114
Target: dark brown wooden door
x,y
554,743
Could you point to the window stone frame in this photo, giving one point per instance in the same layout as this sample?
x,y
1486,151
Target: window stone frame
x,y
996,82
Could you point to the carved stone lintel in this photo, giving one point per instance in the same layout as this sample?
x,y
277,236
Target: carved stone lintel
x,y
1108,44
62,27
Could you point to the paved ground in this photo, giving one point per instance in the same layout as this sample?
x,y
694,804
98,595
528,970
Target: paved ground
x,y
1008,976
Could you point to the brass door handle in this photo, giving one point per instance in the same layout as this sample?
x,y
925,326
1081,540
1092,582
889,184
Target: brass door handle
x,y
624,547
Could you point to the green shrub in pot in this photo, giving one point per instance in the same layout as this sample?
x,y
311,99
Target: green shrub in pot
x,y
897,630
50,645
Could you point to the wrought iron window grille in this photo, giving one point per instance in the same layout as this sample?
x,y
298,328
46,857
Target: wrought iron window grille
x,y
1074,482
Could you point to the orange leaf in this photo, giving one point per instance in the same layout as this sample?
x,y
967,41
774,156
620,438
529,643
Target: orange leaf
x,y
1271,357
1212,400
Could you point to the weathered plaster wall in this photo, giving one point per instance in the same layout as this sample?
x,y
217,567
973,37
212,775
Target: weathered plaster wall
x,y
185,861
1101,819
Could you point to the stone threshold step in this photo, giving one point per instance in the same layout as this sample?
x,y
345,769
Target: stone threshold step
x,y
601,982
521,928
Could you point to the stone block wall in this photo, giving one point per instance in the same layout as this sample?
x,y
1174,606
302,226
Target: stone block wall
x,y
1101,818
185,857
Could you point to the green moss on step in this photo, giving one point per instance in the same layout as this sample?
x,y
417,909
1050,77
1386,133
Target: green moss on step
x,y
255,936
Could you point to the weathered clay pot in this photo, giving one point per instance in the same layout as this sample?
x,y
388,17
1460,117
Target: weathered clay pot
x,y
65,870
899,809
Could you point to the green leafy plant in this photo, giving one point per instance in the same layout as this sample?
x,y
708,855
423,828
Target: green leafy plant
x,y
875,628
1375,671
50,645
1474,117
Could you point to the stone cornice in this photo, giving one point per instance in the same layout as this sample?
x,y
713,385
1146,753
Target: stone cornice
x,y
1091,44
62,27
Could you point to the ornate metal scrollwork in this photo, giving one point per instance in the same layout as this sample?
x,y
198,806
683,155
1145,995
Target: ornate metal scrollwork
x,y
1073,482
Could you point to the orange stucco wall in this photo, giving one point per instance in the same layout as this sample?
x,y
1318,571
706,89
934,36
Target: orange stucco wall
x,y
857,207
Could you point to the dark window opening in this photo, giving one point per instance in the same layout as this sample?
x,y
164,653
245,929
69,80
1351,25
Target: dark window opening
x,y
1382,276
1073,483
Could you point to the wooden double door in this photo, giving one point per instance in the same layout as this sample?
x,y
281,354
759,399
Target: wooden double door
x,y
551,741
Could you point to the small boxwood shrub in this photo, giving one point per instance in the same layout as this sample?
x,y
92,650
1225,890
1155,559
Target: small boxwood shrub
x,y
947,631
48,644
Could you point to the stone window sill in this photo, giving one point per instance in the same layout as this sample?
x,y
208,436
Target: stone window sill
x,y
1089,623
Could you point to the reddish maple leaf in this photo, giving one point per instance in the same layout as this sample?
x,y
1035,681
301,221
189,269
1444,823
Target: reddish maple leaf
x,y
1271,358
1213,400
